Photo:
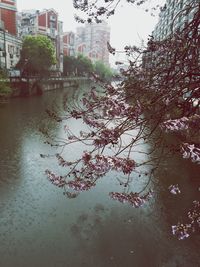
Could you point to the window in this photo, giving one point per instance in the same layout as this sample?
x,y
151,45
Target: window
x,y
11,49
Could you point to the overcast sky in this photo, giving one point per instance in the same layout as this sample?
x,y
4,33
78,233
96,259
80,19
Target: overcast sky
x,y
128,26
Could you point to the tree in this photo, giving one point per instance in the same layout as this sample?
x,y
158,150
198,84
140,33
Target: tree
x,y
160,93
102,70
69,65
79,65
5,89
84,65
96,11
37,55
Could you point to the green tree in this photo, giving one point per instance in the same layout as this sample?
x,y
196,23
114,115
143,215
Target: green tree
x,y
84,65
79,65
37,55
5,89
69,65
103,70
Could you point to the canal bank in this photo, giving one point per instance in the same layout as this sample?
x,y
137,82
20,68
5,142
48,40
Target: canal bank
x,y
34,86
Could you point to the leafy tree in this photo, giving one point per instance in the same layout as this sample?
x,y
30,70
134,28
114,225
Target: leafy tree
x,y
69,65
102,70
79,65
37,55
84,65
159,94
5,89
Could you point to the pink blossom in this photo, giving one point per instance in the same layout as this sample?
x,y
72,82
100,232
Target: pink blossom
x,y
134,199
174,189
191,151
175,125
86,157
181,230
55,179
80,184
125,165
63,162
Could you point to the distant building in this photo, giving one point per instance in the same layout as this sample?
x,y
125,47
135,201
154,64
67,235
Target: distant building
x,y
172,18
10,44
69,43
92,39
35,22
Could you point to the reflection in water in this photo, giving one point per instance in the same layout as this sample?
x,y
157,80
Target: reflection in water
x,y
40,227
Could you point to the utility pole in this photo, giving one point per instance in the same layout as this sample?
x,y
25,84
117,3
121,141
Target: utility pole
x,y
4,39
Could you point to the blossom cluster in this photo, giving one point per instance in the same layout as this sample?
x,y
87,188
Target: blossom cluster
x,y
194,213
174,189
191,151
92,122
80,184
101,164
175,125
134,199
62,162
183,231
106,136
114,108
55,179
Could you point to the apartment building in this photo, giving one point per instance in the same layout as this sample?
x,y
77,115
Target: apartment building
x,y
174,15
8,11
92,39
69,43
46,22
10,44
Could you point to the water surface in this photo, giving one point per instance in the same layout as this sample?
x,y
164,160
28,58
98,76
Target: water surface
x,y
40,227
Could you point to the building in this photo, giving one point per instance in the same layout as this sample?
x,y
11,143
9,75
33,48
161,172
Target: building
x,y
8,11
91,41
10,44
69,43
35,22
173,17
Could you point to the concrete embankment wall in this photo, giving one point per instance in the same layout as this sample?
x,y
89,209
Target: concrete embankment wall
x,y
28,87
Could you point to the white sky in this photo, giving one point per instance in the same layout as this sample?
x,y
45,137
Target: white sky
x,y
128,26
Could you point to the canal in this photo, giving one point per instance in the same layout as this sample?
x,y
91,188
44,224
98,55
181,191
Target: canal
x,y
40,227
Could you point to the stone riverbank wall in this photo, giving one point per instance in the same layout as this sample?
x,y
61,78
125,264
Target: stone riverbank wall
x,y
33,86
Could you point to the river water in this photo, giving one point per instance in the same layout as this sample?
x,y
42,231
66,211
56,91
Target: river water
x,y
40,227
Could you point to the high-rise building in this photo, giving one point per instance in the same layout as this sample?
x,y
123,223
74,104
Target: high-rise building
x,y
174,15
92,41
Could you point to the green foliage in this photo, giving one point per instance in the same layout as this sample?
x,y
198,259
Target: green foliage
x,y
79,65
82,65
69,65
37,55
103,70
5,89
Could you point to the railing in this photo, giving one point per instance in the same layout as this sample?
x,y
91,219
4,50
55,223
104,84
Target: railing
x,y
32,79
